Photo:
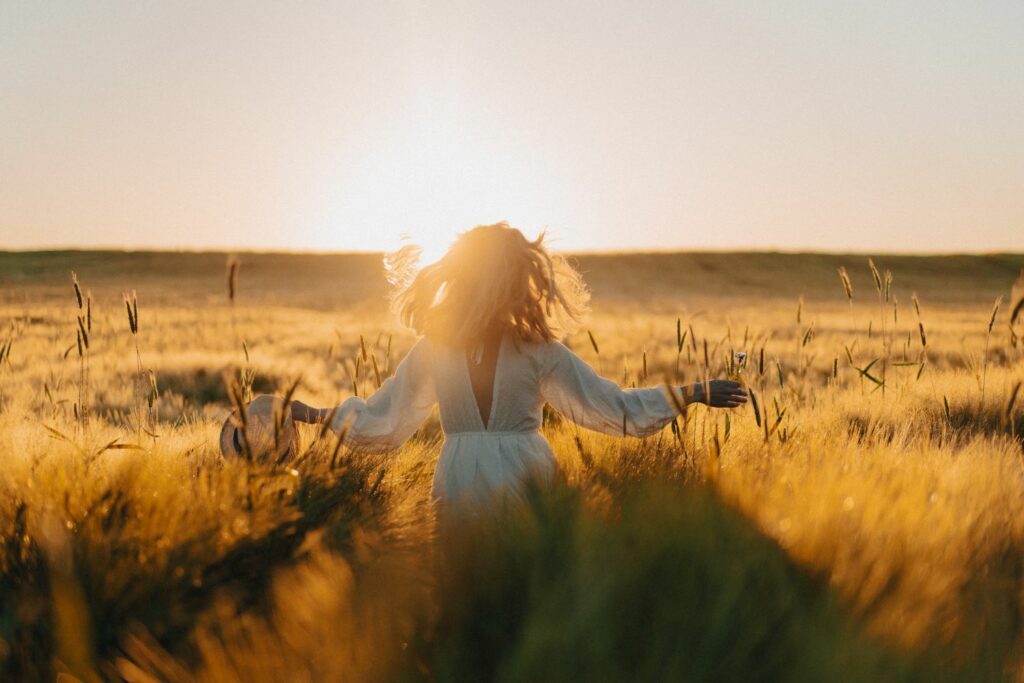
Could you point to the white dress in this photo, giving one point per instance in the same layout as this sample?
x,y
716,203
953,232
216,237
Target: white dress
x,y
479,460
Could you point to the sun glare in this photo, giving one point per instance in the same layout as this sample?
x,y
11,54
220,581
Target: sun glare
x,y
430,175
432,243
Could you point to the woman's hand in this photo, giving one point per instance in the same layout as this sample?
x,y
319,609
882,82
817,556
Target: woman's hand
x,y
717,393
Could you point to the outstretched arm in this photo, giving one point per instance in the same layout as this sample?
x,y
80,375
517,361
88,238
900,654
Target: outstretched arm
x,y
717,393
306,413
391,414
574,389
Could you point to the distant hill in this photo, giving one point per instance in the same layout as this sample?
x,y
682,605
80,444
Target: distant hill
x,y
326,281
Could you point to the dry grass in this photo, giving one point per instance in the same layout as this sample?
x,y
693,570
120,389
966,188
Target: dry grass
x,y
865,518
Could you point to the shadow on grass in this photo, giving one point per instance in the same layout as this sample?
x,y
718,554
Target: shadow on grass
x,y
666,584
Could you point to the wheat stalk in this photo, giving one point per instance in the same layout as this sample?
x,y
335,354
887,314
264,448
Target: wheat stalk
x,y
83,320
131,304
988,337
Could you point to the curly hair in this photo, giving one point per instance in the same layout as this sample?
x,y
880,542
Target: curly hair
x,y
491,276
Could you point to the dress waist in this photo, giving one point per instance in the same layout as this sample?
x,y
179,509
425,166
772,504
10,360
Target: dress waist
x,y
522,432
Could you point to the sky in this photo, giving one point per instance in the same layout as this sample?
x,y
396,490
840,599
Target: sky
x,y
352,126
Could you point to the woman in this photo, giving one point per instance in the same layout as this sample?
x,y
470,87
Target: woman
x,y
489,314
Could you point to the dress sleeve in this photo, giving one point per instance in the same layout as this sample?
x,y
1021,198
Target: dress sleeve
x,y
392,413
580,394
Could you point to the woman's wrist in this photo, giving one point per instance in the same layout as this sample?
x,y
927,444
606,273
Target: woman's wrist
x,y
304,413
693,393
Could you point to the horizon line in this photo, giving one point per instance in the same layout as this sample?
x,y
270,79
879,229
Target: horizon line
x,y
575,252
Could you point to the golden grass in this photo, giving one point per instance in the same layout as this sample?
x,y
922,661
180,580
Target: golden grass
x,y
883,460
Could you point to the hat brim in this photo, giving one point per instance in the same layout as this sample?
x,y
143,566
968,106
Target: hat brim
x,y
229,437
259,411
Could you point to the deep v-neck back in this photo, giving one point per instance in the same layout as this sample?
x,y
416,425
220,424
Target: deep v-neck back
x,y
484,393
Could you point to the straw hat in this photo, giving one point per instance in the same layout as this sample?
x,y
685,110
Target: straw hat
x,y
261,414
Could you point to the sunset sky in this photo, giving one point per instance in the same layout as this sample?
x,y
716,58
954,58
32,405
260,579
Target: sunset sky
x,y
641,125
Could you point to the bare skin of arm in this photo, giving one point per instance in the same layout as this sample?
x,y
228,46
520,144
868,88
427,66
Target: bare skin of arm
x,y
717,393
305,413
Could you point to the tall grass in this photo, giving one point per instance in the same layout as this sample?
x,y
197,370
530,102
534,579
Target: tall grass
x,y
818,534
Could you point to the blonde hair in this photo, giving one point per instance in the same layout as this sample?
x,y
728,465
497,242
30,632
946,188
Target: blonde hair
x,y
491,276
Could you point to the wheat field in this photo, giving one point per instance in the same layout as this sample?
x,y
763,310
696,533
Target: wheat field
x,y
860,520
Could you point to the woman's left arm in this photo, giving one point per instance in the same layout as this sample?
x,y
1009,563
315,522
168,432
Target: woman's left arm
x,y
574,389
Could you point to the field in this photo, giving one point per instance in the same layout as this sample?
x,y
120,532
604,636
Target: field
x,y
863,522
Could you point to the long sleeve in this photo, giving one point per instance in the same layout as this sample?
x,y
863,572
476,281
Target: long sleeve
x,y
580,394
390,416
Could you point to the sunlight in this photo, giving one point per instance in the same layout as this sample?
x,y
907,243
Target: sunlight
x,y
425,178
432,243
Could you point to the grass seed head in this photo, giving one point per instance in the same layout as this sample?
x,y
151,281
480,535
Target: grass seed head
x,y
995,312
77,288
133,322
83,335
233,266
154,392
875,276
844,277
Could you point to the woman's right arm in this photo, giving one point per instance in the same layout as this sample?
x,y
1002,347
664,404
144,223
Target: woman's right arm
x,y
574,389
307,413
391,414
